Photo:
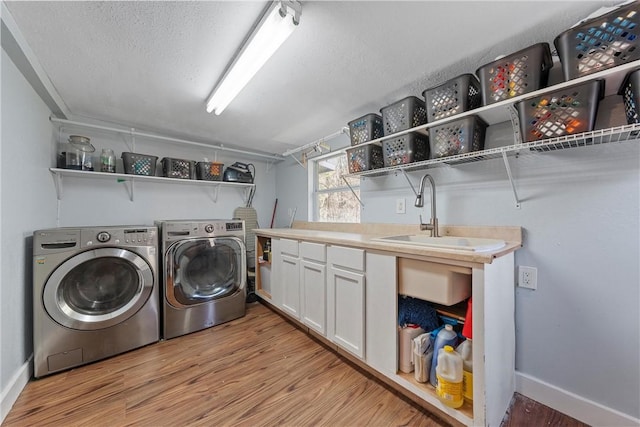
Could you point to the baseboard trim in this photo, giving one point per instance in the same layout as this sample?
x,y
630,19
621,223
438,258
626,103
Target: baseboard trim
x,y
571,404
17,383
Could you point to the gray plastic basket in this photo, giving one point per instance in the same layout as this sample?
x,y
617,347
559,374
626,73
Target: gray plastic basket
x,y
408,148
603,42
209,171
364,158
562,112
521,72
452,97
457,137
404,114
178,168
139,164
630,91
365,128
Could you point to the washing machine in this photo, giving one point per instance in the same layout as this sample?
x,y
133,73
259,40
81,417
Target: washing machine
x,y
95,294
204,274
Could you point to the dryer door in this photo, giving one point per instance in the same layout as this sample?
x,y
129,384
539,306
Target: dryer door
x,y
97,289
205,269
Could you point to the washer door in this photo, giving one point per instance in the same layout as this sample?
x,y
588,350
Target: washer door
x,y
97,289
202,270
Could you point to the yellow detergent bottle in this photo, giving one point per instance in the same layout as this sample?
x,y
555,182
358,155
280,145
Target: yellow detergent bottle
x,y
465,350
449,372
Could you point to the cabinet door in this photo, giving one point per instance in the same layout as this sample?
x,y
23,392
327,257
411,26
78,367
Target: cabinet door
x,y
381,313
346,309
290,282
313,282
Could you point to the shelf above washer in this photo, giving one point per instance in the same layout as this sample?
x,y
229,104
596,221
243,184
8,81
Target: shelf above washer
x,y
129,179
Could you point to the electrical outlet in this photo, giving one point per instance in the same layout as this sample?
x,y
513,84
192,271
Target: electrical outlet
x,y
400,206
527,277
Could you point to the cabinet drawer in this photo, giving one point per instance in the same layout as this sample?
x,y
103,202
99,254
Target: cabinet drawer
x,y
313,251
288,246
346,257
429,281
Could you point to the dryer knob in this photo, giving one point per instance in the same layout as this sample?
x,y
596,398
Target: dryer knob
x,y
103,237
208,228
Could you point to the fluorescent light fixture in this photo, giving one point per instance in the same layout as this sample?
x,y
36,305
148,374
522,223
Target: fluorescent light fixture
x,y
275,26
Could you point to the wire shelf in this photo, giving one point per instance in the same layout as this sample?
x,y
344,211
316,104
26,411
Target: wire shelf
x,y
603,136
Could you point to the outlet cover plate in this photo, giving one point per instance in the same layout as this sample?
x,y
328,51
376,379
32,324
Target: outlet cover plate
x,y
527,277
401,207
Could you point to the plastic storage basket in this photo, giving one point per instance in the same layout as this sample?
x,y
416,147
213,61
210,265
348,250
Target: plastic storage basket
x,y
209,171
600,43
364,158
408,148
453,97
404,114
630,91
457,137
563,112
139,164
366,128
521,72
178,168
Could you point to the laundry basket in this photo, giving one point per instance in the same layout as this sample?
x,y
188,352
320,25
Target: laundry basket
x,y
457,136
404,114
178,168
139,164
562,112
209,171
521,72
364,158
365,128
408,148
630,91
452,97
599,43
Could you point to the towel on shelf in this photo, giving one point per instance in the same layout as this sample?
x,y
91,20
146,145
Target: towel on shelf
x,y
417,311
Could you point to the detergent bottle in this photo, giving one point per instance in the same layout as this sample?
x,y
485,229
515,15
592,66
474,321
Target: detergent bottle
x,y
465,350
449,372
446,336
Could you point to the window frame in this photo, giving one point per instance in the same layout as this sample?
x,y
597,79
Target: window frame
x,y
314,191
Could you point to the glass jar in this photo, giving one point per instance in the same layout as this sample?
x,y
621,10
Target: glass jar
x,y
107,161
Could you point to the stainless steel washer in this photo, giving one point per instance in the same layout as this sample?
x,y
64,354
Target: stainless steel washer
x,y
204,274
95,294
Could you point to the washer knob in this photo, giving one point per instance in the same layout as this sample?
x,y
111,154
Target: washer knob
x,y
208,228
103,237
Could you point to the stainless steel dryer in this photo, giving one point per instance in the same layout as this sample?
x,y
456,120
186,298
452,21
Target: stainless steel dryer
x,y
95,294
204,273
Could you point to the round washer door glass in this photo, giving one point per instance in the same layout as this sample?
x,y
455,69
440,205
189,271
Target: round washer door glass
x,y
98,288
203,270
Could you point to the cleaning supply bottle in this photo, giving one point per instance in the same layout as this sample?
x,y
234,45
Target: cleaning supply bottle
x,y
465,350
446,336
449,372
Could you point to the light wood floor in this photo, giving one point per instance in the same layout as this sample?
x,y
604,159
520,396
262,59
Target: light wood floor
x,y
255,371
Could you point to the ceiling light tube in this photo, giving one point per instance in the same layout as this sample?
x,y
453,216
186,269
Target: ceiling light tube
x,y
275,26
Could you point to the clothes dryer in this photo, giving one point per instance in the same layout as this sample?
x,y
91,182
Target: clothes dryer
x,y
204,274
95,294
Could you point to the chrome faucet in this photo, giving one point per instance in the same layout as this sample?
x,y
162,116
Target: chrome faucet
x,y
433,223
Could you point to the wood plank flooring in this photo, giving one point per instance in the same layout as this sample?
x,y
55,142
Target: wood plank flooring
x,y
255,371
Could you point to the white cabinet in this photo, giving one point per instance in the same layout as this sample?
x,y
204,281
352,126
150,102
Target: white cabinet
x,y
289,277
346,299
275,295
381,308
313,284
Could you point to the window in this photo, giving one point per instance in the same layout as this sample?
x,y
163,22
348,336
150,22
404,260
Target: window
x,y
331,198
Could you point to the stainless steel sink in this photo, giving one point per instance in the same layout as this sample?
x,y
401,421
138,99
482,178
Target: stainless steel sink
x,y
476,244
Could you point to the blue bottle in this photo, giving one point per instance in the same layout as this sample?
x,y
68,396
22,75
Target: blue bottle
x,y
446,336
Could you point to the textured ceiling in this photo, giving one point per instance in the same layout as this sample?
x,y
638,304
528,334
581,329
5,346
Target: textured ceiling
x,y
151,65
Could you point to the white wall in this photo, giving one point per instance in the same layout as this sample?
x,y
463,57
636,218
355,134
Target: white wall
x,y
28,199
27,202
578,334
